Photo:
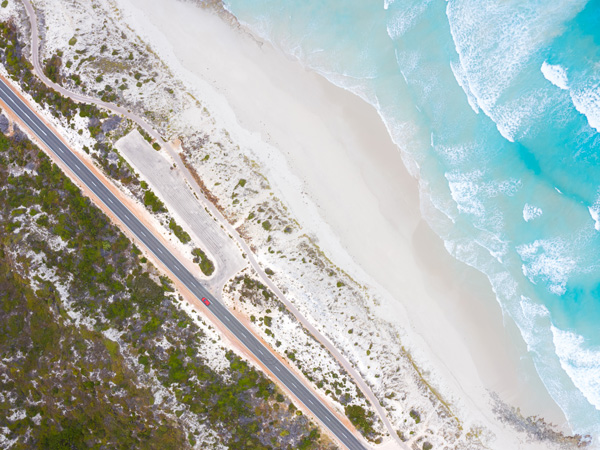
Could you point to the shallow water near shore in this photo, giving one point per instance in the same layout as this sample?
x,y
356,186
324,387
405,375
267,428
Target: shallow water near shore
x,y
496,107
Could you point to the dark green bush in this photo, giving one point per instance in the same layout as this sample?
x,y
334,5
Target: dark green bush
x,y
181,234
153,202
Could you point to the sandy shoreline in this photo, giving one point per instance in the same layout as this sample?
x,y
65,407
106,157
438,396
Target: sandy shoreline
x,y
329,157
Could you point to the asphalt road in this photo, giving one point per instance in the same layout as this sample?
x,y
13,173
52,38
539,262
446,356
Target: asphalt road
x,y
160,251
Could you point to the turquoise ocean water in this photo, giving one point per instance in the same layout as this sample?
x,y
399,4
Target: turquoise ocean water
x,y
496,105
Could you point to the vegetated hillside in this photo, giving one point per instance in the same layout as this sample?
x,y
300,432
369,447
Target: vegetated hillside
x,y
94,350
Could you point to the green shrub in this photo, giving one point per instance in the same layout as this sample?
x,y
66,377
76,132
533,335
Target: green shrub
x,y
52,69
415,416
359,418
179,232
206,265
73,41
153,202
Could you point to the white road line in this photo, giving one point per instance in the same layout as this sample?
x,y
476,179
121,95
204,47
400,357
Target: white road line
x,y
36,125
27,115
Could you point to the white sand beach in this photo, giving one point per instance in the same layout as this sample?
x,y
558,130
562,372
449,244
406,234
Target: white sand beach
x,y
329,157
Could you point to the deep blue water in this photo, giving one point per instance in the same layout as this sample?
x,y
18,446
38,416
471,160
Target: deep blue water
x,y
495,105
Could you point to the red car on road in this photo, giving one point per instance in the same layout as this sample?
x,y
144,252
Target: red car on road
x,y
205,301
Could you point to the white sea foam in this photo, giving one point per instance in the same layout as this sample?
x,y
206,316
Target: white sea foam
x,y
535,323
408,61
548,260
514,117
405,17
455,154
465,189
581,363
595,212
463,82
532,316
496,40
474,194
530,212
587,102
507,187
556,75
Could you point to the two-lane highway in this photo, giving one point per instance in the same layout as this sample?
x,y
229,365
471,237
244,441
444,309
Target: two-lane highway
x,y
261,352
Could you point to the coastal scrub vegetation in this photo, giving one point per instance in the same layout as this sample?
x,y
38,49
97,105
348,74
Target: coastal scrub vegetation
x,y
68,279
55,401
360,418
179,232
100,123
206,265
153,202
333,380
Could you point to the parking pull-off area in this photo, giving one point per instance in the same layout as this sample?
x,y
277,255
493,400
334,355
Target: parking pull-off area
x,y
169,184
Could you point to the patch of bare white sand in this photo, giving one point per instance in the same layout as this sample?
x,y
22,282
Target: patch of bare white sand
x,y
329,157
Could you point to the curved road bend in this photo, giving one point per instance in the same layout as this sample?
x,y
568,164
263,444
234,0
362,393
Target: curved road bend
x,y
264,355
